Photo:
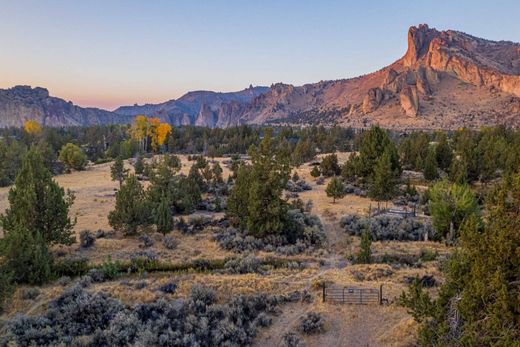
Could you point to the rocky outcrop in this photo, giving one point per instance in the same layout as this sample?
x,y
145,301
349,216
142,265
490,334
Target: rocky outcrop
x,y
409,100
21,103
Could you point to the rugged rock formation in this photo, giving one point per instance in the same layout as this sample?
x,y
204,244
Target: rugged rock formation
x,y
22,103
446,79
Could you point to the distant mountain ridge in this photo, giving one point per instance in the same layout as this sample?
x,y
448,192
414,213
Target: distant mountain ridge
x,y
445,80
203,108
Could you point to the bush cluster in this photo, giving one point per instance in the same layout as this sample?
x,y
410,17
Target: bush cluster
x,y
305,234
170,242
243,265
290,339
384,227
298,186
86,239
312,323
79,317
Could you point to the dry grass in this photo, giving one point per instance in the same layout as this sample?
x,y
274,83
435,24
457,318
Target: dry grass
x,y
346,325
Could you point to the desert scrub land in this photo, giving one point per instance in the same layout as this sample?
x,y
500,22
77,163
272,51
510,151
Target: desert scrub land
x,y
176,263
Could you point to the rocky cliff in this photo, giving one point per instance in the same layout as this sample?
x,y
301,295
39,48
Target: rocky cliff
x,y
446,79
22,103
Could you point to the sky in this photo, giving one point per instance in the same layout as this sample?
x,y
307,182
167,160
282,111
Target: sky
x,y
107,53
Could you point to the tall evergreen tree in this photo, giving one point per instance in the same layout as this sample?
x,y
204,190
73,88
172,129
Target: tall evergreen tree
x,y
365,251
430,166
132,208
256,200
479,302
163,218
118,171
38,204
443,152
384,183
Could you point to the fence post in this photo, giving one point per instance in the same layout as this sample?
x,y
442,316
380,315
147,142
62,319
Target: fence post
x,y
381,294
323,295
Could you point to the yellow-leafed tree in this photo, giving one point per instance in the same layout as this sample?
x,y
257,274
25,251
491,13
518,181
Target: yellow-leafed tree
x,y
162,132
32,127
139,130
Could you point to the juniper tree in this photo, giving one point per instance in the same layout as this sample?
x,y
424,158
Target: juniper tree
x,y
479,302
335,189
315,172
118,171
256,200
443,152
163,218
384,182
430,166
139,165
364,255
38,204
132,208
450,204
329,165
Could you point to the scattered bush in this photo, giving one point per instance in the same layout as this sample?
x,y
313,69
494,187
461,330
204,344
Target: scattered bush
x,y
297,186
168,288
312,323
146,240
64,281
170,242
384,227
243,265
86,239
305,233
290,339
71,267
30,293
426,281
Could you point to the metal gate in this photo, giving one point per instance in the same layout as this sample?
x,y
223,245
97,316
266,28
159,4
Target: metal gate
x,y
354,296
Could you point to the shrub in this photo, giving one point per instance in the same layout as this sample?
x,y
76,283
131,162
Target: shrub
x,y
78,317
146,240
170,242
243,265
290,339
30,293
86,239
312,323
71,267
385,227
168,288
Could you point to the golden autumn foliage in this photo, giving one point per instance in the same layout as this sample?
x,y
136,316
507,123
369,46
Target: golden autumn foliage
x,y
162,131
149,129
32,127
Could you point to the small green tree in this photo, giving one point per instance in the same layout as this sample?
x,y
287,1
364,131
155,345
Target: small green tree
x,y
118,171
315,172
329,165
139,165
335,189
365,251
430,166
450,204
72,157
163,218
443,152
295,177
384,183
132,208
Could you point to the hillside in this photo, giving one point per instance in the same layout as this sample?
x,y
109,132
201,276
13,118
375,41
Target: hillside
x,y
22,103
445,80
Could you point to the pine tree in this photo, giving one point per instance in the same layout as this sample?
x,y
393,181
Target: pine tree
x,y
375,143
163,216
451,204
329,165
139,165
315,172
335,189
383,184
443,153
365,252
118,171
479,302
430,166
38,204
132,209
256,200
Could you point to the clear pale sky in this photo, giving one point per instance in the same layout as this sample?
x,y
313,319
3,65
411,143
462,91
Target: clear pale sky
x,y
107,53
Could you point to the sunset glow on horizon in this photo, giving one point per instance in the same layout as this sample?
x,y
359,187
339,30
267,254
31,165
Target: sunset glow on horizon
x,y
107,54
